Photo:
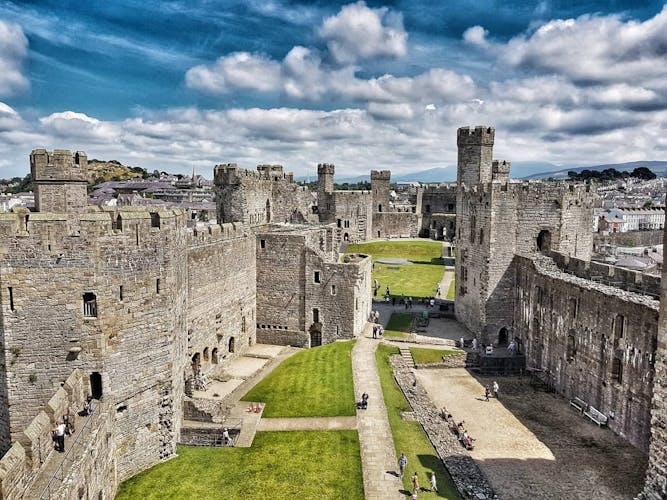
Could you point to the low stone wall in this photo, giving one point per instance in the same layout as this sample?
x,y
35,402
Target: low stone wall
x,y
470,481
282,337
453,361
630,238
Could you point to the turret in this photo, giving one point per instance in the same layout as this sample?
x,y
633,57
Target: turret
x,y
380,187
60,180
501,170
475,154
325,178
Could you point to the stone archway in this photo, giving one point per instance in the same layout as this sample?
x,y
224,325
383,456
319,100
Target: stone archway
x,y
503,337
544,241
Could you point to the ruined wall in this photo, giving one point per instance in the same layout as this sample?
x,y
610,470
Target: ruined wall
x,y
594,341
655,487
630,239
353,215
438,202
396,224
136,275
268,195
221,294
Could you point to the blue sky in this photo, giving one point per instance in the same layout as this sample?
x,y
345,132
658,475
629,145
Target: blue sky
x,y
177,84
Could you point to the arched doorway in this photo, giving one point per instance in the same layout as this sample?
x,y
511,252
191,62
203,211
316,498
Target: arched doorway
x,y
544,241
96,385
346,237
196,362
502,336
232,341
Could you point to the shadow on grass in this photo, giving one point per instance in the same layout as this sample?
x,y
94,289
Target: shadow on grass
x,y
436,261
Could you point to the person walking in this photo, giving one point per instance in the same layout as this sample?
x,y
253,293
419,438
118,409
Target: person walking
x,y
402,464
59,433
487,393
434,486
415,483
496,388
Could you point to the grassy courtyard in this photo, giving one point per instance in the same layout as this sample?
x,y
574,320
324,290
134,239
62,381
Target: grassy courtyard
x,y
417,279
409,437
280,465
313,383
421,355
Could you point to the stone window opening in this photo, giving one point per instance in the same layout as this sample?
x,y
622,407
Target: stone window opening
x,y
157,286
155,220
571,347
262,243
96,385
427,208
316,315
619,330
574,308
333,289
136,234
10,290
232,342
120,293
268,211
118,226
544,241
339,222
380,207
214,356
89,305
347,224
205,355
481,236
617,370
316,277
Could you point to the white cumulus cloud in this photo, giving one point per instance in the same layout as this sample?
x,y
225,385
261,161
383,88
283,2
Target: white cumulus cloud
x,y
239,70
13,50
358,32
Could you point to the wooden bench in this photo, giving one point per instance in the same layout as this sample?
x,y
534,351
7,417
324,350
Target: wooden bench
x,y
579,404
596,416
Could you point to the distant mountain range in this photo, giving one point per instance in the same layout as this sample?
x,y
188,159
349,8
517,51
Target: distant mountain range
x,y
520,170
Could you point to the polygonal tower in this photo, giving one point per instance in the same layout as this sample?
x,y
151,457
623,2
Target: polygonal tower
x,y
475,147
380,187
60,180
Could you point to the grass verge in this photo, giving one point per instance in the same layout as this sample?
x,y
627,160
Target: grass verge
x,y
409,437
280,465
415,251
451,293
313,383
399,326
421,355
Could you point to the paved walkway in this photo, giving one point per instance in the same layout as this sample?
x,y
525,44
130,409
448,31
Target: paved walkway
x,y
308,424
378,457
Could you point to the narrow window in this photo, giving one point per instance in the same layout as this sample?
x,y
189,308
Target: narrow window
x,y
157,286
136,233
11,298
380,208
243,324
120,293
333,289
316,315
232,343
262,243
89,305
427,208
339,222
573,308
155,219
617,371
316,278
571,347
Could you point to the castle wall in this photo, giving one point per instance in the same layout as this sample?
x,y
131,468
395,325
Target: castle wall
x,y
261,197
579,332
655,487
131,338
396,224
352,213
438,202
221,293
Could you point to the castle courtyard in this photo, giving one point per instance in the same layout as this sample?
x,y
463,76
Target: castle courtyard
x,y
534,445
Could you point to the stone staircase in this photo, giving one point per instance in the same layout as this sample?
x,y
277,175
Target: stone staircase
x,y
407,356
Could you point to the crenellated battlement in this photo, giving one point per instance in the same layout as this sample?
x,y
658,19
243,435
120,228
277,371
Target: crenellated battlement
x,y
380,175
230,174
213,233
326,168
58,165
475,136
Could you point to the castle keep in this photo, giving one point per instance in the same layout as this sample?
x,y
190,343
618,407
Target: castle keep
x,y
127,304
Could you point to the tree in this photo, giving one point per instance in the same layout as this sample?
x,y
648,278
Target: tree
x,y
643,173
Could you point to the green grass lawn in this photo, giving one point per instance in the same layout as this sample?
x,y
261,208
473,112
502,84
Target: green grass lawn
x,y
451,293
416,280
409,437
399,326
280,465
421,355
314,383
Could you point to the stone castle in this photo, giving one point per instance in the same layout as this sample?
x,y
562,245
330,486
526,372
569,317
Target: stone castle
x,y
127,304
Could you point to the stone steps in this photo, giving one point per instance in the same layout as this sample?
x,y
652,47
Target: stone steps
x,y
407,356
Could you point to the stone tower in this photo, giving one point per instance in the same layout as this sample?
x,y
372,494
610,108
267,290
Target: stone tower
x,y
380,187
655,487
475,154
59,179
326,201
